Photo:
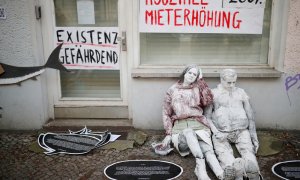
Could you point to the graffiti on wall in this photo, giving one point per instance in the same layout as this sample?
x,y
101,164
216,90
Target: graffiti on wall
x,y
292,82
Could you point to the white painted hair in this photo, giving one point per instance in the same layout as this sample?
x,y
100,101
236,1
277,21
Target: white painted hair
x,y
228,73
187,68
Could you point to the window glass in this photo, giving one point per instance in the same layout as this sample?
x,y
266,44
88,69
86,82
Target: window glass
x,y
207,49
106,13
89,83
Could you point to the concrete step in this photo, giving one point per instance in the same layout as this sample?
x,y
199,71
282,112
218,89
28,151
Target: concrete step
x,y
113,125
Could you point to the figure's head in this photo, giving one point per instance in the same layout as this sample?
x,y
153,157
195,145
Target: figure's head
x,y
228,78
190,74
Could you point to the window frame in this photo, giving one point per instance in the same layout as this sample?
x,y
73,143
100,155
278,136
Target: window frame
x,y
273,68
53,77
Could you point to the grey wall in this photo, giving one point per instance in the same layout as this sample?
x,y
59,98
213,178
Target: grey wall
x,y
23,107
268,97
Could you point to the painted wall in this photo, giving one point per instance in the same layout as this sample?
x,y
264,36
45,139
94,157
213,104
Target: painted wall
x,y
23,107
268,97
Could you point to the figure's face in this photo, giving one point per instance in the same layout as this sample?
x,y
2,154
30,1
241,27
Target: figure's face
x,y
190,76
228,82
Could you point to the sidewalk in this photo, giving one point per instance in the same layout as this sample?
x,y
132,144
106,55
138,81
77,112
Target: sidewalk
x,y
17,161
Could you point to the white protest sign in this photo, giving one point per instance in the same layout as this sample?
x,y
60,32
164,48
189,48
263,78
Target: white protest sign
x,y
89,47
253,4
202,16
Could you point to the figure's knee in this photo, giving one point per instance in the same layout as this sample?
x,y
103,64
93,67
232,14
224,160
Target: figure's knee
x,y
209,152
251,165
252,169
225,158
182,144
199,155
248,156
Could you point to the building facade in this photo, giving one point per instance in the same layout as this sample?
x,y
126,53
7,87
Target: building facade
x,y
131,51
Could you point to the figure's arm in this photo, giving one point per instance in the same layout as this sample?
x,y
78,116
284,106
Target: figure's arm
x,y
208,114
208,110
167,121
252,128
167,113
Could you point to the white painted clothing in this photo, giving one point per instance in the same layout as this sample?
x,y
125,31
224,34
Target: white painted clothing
x,y
182,102
198,142
229,113
203,134
242,141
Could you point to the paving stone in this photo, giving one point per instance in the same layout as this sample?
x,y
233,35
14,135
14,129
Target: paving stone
x,y
138,137
269,145
18,162
118,145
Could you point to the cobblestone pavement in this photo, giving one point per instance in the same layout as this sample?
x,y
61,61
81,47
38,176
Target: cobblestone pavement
x,y
18,162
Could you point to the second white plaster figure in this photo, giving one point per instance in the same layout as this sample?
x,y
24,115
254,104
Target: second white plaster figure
x,y
186,126
233,122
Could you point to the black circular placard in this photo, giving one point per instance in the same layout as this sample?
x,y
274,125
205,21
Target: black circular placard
x,y
143,170
287,170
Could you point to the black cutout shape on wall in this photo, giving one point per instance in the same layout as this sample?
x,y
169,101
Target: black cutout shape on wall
x,y
14,74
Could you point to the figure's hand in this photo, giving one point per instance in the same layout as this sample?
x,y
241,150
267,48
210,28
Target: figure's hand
x,y
256,145
200,74
219,135
163,148
166,142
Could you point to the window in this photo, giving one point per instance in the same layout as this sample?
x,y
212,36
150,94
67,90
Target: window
x,y
207,49
89,83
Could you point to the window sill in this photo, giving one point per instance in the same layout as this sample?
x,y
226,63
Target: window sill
x,y
253,72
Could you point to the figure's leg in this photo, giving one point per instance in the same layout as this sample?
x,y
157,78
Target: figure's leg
x,y
239,167
223,151
246,149
211,159
182,145
193,144
225,156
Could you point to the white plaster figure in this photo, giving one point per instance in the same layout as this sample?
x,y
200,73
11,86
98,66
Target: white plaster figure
x,y
233,122
186,126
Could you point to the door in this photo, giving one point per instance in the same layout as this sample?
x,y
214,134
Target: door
x,y
92,32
